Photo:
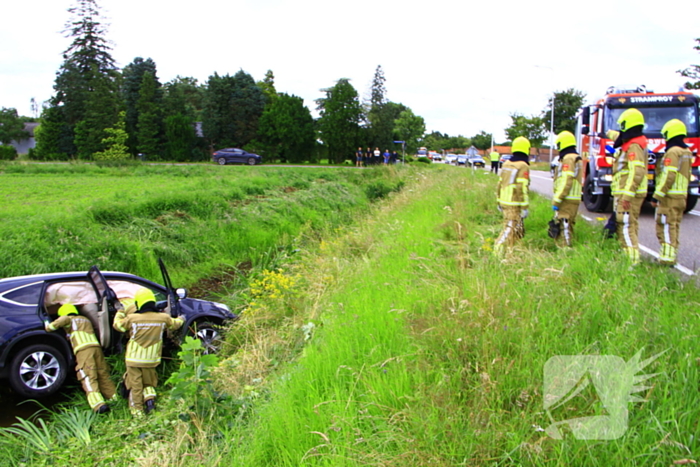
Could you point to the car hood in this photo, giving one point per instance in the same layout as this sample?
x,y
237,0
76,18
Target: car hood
x,y
193,308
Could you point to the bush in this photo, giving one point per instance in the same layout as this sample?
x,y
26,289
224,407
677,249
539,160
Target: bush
x,y
7,153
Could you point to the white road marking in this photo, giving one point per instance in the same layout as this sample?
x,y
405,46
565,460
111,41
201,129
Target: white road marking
x,y
694,213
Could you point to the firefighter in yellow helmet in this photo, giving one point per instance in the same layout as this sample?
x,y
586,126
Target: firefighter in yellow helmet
x,y
91,367
146,326
631,180
512,194
567,188
671,193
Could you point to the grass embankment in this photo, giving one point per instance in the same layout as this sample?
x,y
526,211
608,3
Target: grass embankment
x,y
432,352
202,220
425,349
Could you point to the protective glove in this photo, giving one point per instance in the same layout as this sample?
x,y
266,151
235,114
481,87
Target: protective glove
x,y
555,208
524,213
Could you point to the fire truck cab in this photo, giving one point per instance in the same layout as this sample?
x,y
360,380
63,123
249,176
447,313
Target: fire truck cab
x,y
597,150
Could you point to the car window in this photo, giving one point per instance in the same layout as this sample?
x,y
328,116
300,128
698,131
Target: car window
x,y
27,295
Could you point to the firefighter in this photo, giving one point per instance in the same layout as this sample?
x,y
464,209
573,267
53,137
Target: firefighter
x,y
631,175
512,194
671,191
146,326
567,187
495,160
91,367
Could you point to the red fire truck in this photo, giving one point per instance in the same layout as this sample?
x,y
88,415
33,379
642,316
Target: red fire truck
x,y
596,119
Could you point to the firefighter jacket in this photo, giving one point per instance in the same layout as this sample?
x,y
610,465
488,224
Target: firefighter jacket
x,y
78,329
567,179
631,170
146,330
674,175
513,185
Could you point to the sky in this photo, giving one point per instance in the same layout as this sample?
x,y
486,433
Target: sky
x,y
465,67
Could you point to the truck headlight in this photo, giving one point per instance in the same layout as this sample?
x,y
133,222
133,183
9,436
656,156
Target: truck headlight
x,y
607,178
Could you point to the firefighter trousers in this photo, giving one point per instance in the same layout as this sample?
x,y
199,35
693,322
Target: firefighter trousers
x,y
141,383
628,228
513,229
669,214
93,373
568,210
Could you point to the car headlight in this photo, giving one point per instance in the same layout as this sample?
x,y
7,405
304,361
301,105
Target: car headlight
x,y
607,178
222,306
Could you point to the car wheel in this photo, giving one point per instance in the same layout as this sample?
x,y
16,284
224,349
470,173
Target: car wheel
x,y
209,334
221,161
690,203
251,161
593,202
38,371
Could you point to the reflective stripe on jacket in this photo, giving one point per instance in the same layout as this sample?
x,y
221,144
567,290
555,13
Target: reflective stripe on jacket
x,y
673,173
146,330
513,184
78,329
567,179
631,173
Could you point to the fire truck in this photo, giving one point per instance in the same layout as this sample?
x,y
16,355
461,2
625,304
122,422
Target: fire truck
x,y
596,149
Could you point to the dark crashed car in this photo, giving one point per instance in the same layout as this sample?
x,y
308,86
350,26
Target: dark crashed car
x,y
36,363
235,156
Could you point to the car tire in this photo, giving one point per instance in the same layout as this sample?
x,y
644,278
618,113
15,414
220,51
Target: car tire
x,y
690,203
37,371
221,161
251,161
595,203
210,334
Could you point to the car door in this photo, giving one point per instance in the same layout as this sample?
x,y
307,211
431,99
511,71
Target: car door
x,y
107,303
173,298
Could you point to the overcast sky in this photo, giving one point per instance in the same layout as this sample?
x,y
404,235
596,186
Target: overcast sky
x,y
463,66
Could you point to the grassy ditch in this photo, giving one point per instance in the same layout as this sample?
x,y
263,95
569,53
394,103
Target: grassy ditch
x,y
399,339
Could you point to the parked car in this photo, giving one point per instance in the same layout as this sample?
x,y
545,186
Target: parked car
x,y
504,157
36,362
450,158
235,156
437,158
476,161
461,159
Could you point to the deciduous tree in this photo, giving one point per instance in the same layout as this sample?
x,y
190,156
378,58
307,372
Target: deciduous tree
x,y
566,105
482,140
11,126
287,127
533,128
410,128
692,72
339,122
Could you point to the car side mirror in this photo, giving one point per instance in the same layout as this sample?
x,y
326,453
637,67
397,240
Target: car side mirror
x,y
181,293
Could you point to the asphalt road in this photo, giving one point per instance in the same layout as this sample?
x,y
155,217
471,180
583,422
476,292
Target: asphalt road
x,y
689,251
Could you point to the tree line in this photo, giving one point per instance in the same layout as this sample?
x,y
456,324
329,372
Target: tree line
x,y
99,112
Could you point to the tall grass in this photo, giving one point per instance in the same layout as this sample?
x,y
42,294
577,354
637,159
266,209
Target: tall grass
x,y
430,350
398,339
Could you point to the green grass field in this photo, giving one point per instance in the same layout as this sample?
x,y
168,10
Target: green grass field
x,y
393,336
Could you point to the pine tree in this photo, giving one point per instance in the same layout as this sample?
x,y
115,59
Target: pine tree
x,y
86,82
130,90
180,137
149,117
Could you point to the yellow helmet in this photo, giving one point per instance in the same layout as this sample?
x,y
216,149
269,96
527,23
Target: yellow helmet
x,y
673,128
67,309
565,139
521,144
143,296
630,118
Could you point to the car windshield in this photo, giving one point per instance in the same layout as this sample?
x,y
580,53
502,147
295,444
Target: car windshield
x,y
656,117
